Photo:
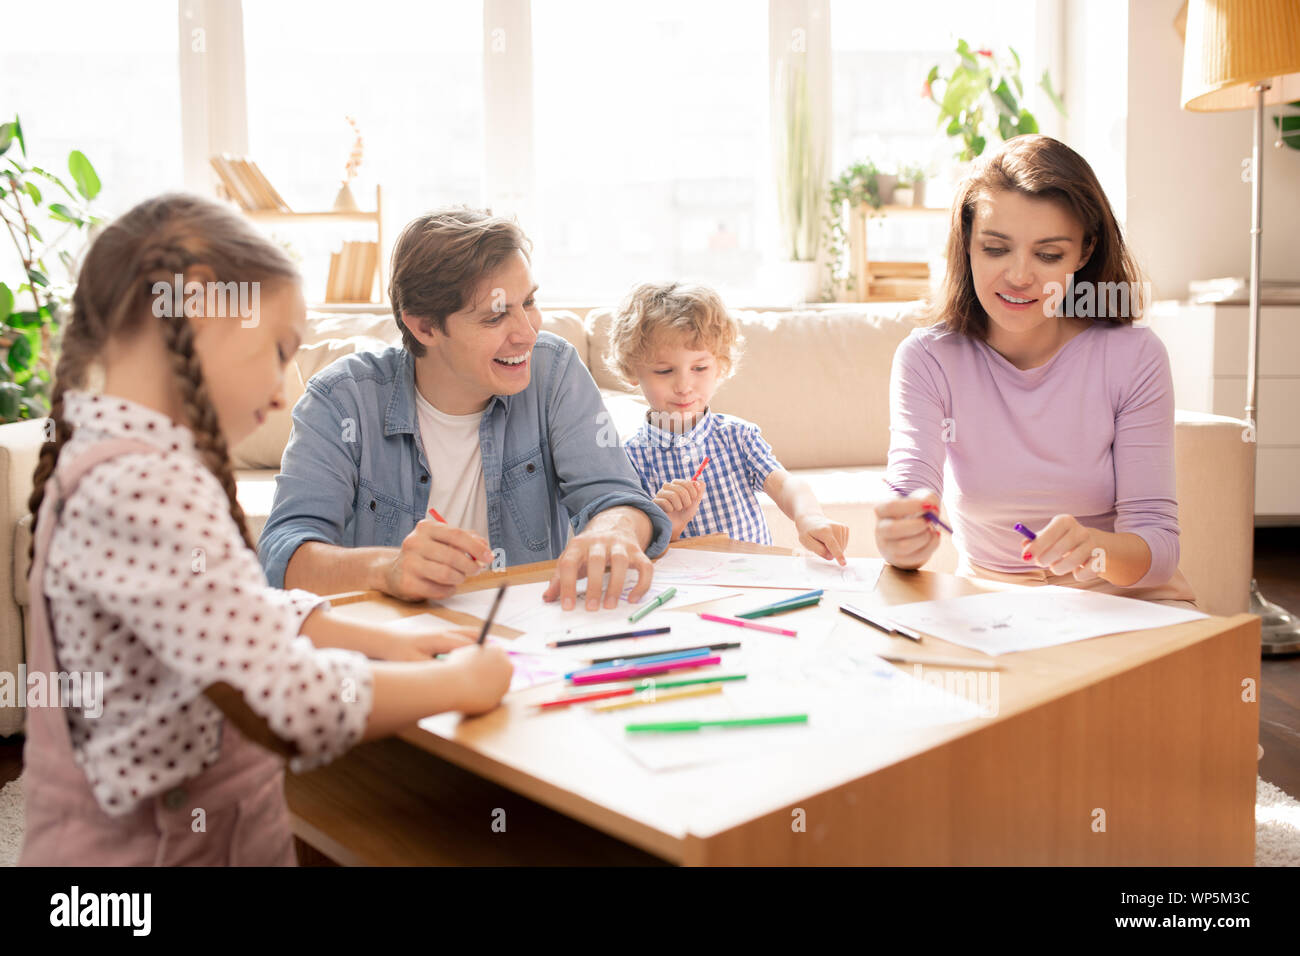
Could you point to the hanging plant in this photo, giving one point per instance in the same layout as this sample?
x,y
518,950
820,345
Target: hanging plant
x,y
981,99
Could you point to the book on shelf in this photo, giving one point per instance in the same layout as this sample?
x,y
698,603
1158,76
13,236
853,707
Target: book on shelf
x,y
352,272
247,185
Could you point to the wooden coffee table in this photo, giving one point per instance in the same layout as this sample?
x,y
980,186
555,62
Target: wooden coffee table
x,y
1132,749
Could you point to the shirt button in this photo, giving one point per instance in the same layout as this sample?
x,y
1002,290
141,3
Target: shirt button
x,y
530,468
424,479
174,799
373,505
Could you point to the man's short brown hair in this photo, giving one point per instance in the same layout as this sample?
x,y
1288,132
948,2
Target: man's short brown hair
x,y
440,259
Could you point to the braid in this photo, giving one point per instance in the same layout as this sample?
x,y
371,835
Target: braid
x,y
77,347
202,416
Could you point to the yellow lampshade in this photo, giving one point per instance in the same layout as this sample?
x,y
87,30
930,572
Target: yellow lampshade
x,y
1232,44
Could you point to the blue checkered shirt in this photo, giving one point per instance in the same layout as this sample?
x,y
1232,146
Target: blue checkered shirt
x,y
739,462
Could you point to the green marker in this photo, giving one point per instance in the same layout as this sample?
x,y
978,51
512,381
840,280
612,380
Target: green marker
x,y
678,725
780,608
652,684
660,601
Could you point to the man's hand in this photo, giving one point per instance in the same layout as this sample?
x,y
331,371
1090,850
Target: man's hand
x,y
613,541
433,561
680,499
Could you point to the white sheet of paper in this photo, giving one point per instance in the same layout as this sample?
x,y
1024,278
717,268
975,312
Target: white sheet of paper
x,y
530,669
727,569
1023,619
523,609
845,692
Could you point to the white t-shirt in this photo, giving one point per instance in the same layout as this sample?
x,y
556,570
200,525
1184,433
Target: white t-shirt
x,y
456,487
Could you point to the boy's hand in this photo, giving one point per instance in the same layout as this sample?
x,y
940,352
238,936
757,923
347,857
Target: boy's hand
x,y
823,537
680,500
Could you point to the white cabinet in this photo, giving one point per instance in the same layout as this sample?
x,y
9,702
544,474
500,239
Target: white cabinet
x,y
1207,347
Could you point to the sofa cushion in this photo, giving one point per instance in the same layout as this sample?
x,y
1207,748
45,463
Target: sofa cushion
x,y
264,448
831,365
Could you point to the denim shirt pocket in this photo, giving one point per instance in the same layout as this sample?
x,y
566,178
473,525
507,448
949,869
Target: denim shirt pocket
x,y
379,517
525,490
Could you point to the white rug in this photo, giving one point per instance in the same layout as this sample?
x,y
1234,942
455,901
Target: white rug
x,y
1277,825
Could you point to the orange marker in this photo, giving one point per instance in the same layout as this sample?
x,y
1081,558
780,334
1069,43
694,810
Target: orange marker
x,y
434,512
699,471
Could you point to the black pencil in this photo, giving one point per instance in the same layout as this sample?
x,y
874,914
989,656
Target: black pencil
x,y
609,637
496,603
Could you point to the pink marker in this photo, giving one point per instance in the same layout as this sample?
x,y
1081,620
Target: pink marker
x,y
719,619
646,670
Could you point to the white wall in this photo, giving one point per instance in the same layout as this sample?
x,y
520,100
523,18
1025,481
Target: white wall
x,y
1188,209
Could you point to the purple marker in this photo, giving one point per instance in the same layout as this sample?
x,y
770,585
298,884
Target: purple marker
x,y
932,518
1025,531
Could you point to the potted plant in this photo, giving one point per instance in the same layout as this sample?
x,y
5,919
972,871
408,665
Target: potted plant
x,y
800,173
31,307
854,192
981,99
910,190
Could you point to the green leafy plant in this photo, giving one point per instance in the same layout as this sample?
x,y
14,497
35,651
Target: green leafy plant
x,y
910,175
981,99
1288,126
27,334
857,185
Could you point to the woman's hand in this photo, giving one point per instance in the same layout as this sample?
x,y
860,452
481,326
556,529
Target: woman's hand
x,y
680,500
409,645
904,537
1066,547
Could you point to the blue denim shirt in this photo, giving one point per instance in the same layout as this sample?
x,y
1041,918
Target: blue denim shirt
x,y
354,471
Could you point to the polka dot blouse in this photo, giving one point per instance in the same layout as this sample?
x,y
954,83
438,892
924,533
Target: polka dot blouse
x,y
150,583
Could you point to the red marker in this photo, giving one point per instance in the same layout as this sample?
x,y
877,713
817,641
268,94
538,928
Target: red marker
x,y
699,471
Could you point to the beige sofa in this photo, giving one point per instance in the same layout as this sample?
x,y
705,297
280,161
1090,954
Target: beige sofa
x,y
818,384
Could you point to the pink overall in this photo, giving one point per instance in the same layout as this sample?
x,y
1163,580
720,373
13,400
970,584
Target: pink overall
x,y
244,820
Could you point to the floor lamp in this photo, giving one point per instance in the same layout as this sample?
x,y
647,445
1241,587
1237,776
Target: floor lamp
x,y
1245,54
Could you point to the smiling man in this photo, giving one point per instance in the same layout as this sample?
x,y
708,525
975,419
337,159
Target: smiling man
x,y
479,418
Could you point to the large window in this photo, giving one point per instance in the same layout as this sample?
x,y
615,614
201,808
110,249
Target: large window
x,y
81,75
881,54
411,75
652,149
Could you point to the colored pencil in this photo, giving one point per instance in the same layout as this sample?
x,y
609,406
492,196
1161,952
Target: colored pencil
x,y
780,608
932,518
737,622
879,623
583,698
610,637
680,725
650,659
644,698
699,471
730,646
632,673
496,603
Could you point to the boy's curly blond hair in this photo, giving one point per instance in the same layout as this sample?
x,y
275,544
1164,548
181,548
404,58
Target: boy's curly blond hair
x,y
656,309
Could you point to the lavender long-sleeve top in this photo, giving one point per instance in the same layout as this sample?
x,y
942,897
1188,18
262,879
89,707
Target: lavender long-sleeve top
x,y
1090,434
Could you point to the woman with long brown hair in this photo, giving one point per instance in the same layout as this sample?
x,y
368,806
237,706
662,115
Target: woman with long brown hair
x,y
1046,405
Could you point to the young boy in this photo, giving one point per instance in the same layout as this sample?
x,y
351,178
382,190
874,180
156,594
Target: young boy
x,y
678,344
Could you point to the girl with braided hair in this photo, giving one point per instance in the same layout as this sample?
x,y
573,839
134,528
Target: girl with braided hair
x,y
144,571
